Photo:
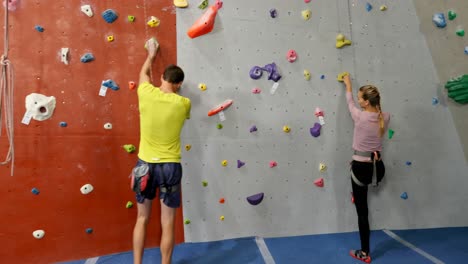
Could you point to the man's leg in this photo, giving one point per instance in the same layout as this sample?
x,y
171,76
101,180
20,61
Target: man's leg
x,y
167,237
139,232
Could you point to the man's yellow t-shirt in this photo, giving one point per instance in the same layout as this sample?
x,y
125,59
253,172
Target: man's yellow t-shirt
x,y
162,116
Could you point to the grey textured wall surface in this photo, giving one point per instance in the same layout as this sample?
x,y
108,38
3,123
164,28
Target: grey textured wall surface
x,y
388,50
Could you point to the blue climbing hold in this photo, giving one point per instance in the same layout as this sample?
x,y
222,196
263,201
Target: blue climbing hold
x,y
404,196
435,100
87,57
408,163
109,15
110,84
466,50
89,230
39,28
439,20
35,191
368,7
322,76
63,124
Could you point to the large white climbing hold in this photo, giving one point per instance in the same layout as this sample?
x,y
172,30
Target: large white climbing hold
x,y
86,189
38,234
87,10
64,55
40,107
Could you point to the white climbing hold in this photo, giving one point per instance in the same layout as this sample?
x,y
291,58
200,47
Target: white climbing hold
x,y
107,126
40,107
64,55
87,10
38,234
86,189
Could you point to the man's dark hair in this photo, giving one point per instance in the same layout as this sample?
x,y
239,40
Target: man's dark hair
x,y
173,74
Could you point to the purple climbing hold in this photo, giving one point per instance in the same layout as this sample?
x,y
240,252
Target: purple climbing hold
x,y
255,199
315,131
240,163
255,73
253,129
273,13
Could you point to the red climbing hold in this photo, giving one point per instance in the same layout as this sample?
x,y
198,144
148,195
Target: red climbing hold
x,y
319,182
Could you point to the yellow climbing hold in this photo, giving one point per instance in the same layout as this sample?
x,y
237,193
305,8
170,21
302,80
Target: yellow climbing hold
x,y
181,3
221,218
383,7
341,41
202,86
322,167
306,75
129,205
188,147
153,21
341,76
286,129
224,163
306,14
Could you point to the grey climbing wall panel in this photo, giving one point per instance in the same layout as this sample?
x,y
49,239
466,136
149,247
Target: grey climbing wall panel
x,y
388,50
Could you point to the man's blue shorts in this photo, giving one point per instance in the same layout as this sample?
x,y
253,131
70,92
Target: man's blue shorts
x,y
167,177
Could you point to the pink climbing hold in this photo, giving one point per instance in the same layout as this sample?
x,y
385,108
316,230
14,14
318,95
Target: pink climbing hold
x,y
319,182
291,56
306,1
219,3
256,90
318,112
12,4
273,164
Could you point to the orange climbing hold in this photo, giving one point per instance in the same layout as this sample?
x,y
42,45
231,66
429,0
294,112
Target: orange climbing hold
x,y
204,24
131,85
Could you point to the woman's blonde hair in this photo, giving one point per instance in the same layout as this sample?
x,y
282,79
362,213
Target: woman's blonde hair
x,y
371,93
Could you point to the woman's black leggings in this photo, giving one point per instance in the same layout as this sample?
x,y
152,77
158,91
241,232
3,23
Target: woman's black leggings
x,y
363,171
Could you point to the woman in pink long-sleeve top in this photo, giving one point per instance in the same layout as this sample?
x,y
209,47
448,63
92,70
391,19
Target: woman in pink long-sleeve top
x,y
367,166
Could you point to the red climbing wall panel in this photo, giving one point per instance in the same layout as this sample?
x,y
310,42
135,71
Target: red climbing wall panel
x,y
57,160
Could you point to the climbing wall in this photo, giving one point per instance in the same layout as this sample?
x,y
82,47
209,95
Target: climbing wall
x,y
426,179
53,162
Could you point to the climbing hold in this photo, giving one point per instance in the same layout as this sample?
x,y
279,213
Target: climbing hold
x,y
221,107
110,84
224,163
186,221
129,148
306,75
458,89
273,164
204,183
452,15
87,57
307,1
255,199
256,90
153,21
352,198
439,20
205,23
181,3
12,4
291,56
404,196
368,7
86,189
306,14
253,129
240,163
110,38
221,218
221,200
319,182
89,230
460,32
39,28
131,18
131,85
318,112
383,8
40,107
87,10
322,77
63,124
341,41
202,86
286,129
64,55
107,126
408,163
435,100
203,4
341,76
315,130
273,13
35,191
390,133
38,234
256,72
219,126
188,147
322,167
109,15
129,205
273,72
466,50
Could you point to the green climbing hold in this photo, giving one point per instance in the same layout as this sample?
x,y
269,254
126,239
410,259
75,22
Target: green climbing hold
x,y
203,4
129,148
457,89
186,221
460,32
452,15
390,133
220,126
204,183
129,205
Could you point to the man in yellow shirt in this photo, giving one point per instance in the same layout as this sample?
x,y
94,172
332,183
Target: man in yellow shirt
x,y
162,116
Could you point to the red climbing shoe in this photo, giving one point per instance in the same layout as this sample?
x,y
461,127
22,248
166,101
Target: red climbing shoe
x,y
358,254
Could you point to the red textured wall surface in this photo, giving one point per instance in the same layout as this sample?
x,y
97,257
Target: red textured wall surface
x,y
57,160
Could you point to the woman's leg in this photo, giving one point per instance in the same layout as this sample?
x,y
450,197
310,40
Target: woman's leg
x,y
360,201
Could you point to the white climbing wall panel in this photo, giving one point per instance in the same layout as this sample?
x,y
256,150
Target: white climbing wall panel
x,y
388,50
